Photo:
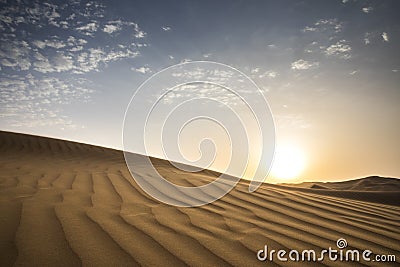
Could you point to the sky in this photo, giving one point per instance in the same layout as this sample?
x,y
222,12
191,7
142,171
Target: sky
x,y
330,71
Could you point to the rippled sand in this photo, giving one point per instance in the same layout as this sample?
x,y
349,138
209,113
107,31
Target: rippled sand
x,y
71,204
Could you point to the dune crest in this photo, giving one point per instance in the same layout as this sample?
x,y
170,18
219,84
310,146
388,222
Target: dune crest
x,y
69,204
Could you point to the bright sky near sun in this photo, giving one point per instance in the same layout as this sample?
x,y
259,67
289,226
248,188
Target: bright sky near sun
x,y
330,71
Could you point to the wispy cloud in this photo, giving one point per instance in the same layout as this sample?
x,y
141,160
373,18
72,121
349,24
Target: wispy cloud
x,y
367,10
67,51
33,102
32,87
312,47
302,64
341,49
207,91
376,36
325,25
88,29
353,72
269,74
15,53
385,37
114,26
326,37
143,69
54,43
255,70
367,38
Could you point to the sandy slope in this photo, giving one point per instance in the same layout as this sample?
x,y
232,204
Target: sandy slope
x,y
372,183
68,204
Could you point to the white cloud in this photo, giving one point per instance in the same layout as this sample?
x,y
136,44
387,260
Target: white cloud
x,y
310,29
255,70
385,37
28,97
312,47
43,66
15,54
6,63
55,44
35,102
269,74
88,29
24,64
367,38
110,28
120,54
367,10
68,54
353,72
82,41
375,36
39,44
142,70
6,19
64,24
210,91
302,64
323,25
140,34
214,75
76,48
93,58
61,62
38,56
166,28
185,60
340,49
57,63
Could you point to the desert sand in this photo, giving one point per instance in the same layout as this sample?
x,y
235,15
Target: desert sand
x,y
70,204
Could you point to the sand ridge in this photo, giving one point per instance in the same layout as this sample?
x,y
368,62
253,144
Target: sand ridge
x,y
70,204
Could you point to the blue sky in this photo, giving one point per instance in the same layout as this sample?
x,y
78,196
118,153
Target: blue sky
x,y
329,69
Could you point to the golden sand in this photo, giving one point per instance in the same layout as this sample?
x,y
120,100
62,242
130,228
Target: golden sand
x,y
69,204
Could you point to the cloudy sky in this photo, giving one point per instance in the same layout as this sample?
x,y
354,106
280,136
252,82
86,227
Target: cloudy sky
x,y
330,70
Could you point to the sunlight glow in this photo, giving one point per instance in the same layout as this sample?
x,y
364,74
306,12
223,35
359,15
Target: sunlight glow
x,y
289,162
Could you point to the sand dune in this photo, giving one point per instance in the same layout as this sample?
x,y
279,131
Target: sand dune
x,y
69,204
372,183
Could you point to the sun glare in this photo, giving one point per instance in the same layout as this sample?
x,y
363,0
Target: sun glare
x,y
288,163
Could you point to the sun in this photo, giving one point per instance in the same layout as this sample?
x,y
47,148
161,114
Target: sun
x,y
289,162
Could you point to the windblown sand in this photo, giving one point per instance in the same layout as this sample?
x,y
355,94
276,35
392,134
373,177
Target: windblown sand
x,y
70,204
